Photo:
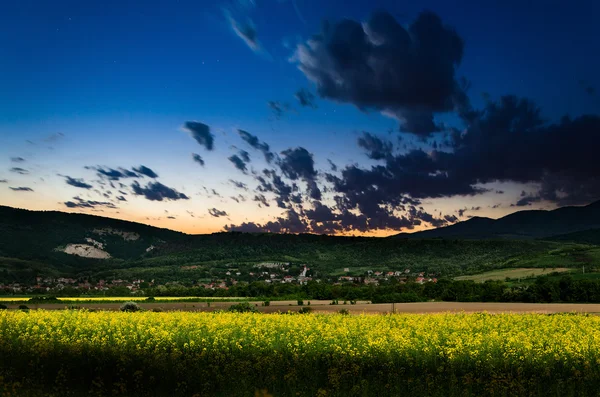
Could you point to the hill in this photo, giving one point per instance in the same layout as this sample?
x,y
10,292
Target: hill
x,y
531,224
55,243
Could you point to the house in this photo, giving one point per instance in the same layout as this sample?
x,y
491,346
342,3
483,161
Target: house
x,y
420,280
346,278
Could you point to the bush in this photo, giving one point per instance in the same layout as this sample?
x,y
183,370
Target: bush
x,y
300,302
130,307
150,299
267,303
3,306
344,312
305,310
73,307
157,310
244,307
24,308
44,299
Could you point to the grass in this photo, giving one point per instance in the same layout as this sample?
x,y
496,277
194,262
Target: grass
x,y
502,274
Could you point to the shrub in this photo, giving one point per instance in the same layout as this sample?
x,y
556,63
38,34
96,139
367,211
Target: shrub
x,y
73,307
150,299
267,303
44,299
300,302
305,310
3,306
130,307
157,310
24,308
244,307
344,312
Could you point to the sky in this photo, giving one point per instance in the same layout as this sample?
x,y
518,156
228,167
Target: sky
x,y
299,116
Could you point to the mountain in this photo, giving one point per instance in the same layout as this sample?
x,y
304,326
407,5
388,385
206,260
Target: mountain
x,y
530,224
55,243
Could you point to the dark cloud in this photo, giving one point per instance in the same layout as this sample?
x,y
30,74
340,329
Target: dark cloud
x,y
238,184
198,159
253,141
245,31
261,199
171,217
21,189
270,181
217,213
113,174
589,89
201,133
143,170
80,183
278,108
156,191
332,165
306,98
290,223
17,159
18,170
406,73
298,163
3,181
121,198
376,148
462,211
238,162
81,203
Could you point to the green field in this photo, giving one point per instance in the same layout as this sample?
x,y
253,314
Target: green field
x,y
503,274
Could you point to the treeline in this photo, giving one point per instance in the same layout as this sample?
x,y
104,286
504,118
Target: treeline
x,y
543,290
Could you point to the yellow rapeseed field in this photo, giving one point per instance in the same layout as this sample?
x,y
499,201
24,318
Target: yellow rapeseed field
x,y
179,353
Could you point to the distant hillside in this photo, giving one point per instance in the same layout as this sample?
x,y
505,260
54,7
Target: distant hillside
x,y
591,236
55,243
530,224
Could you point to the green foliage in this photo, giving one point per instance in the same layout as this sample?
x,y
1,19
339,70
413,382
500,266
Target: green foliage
x,y
305,310
130,307
44,299
3,306
300,302
243,307
344,311
24,308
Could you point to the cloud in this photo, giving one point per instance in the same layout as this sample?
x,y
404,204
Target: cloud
x,y
18,170
77,183
238,162
278,108
306,98
261,199
377,148
406,73
143,170
3,181
332,165
81,203
54,137
245,31
113,174
121,198
171,217
21,189
198,159
201,133
270,181
239,185
216,213
156,191
298,163
17,159
254,142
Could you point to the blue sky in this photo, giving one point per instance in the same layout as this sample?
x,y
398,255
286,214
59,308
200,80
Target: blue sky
x,y
112,83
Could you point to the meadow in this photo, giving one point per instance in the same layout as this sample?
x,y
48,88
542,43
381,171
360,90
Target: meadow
x,y
515,273
76,352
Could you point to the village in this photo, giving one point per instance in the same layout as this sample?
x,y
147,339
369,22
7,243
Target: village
x,y
267,272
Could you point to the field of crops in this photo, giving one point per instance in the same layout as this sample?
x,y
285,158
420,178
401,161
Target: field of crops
x,y
198,354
